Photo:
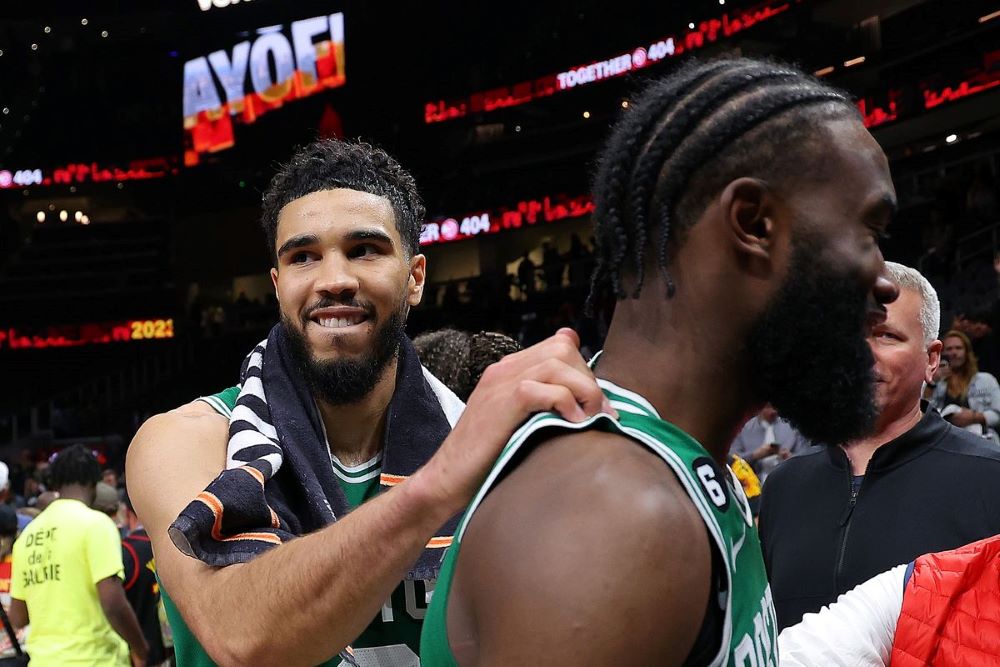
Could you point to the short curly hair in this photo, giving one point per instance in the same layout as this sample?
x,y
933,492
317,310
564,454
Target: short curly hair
x,y
333,163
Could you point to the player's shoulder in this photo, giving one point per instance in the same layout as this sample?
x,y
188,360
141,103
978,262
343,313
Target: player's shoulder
x,y
191,430
590,502
611,473
196,416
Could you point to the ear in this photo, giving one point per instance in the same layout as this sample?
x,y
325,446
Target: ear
x,y
415,286
274,280
750,215
933,360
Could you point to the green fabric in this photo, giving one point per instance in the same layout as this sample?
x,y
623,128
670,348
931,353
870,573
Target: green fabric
x,y
393,636
359,483
720,502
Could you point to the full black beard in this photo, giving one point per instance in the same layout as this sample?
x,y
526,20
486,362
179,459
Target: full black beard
x,y
809,353
344,381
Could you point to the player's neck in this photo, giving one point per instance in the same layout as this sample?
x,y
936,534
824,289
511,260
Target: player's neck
x,y
672,367
355,430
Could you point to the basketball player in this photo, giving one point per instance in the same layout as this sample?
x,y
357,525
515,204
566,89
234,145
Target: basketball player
x,y
739,208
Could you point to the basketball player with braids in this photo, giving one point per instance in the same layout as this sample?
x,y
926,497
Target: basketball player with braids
x,y
739,207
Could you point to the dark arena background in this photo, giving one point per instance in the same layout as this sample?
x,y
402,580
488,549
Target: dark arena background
x,y
136,140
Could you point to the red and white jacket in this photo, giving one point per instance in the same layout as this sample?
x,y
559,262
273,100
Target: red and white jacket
x,y
943,610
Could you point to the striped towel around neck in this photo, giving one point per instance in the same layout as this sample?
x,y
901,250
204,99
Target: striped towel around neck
x,y
279,482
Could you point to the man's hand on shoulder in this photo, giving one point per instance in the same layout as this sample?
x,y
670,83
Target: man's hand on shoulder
x,y
551,375
588,553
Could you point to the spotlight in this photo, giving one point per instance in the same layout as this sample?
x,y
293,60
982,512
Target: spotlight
x,y
722,2
517,128
34,47
64,215
40,216
586,114
121,185
78,216
52,207
6,110
854,61
85,220
83,21
104,33
951,138
691,25
48,29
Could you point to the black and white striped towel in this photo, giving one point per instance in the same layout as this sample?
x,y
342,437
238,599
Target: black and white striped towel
x,y
279,482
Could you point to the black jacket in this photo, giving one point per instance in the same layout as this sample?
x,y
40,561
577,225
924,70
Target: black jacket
x,y
143,591
936,487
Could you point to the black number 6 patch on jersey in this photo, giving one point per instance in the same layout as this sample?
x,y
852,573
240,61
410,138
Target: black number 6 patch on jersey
x,y
712,480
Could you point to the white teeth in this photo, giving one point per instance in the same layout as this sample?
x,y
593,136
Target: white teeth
x,y
338,322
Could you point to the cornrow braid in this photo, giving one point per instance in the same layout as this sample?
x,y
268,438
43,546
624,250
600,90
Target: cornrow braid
x,y
609,190
670,133
682,140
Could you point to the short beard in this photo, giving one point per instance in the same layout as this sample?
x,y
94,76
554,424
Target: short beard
x,y
345,381
809,354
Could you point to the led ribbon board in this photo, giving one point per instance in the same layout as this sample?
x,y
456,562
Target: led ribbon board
x,y
12,338
307,58
705,33
528,212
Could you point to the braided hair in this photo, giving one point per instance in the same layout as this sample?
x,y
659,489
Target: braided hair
x,y
74,465
683,139
459,359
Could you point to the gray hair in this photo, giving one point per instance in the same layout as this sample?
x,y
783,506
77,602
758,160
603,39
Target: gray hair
x,y
930,307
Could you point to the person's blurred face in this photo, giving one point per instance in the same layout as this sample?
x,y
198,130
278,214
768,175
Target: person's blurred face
x,y
902,361
954,352
768,413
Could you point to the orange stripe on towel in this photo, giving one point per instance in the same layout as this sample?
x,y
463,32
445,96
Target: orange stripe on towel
x,y
211,501
385,479
440,542
258,475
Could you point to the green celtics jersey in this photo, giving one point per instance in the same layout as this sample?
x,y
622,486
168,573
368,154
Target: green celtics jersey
x,y
392,639
749,634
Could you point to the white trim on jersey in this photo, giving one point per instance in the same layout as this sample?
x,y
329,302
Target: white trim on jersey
x,y
356,468
630,395
357,480
217,405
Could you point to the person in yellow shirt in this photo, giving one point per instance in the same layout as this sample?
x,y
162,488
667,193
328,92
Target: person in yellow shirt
x,y
67,575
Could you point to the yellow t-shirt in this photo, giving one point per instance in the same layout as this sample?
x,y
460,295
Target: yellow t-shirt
x,y
58,560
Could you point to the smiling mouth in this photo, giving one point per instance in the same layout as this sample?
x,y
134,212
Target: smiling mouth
x,y
339,322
